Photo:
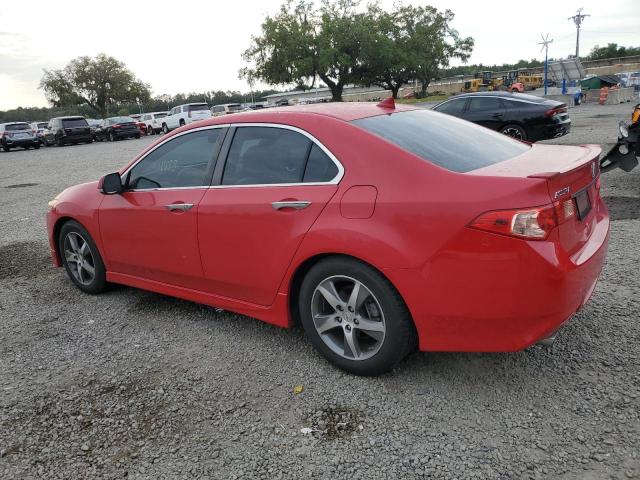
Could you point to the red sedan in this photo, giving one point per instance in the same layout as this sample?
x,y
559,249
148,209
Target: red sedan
x,y
378,228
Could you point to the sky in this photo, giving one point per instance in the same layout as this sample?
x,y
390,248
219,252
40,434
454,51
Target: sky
x,y
196,46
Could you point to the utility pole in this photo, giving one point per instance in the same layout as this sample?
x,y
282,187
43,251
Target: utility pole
x,y
545,46
578,18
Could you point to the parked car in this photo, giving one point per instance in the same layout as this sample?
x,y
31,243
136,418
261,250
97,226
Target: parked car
x,y
153,122
67,130
378,228
117,128
17,134
185,114
522,116
94,124
142,127
227,108
38,128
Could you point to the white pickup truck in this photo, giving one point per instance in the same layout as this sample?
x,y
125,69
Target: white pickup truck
x,y
184,115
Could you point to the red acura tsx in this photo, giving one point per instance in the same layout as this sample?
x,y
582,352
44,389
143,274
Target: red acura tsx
x,y
379,228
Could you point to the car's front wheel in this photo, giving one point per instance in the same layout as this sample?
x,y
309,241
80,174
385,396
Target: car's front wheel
x,y
81,258
515,131
165,129
354,316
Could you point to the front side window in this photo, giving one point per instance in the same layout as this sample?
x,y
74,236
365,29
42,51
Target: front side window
x,y
183,161
270,155
452,107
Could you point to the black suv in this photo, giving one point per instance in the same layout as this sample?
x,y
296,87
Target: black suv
x,y
17,134
65,130
522,116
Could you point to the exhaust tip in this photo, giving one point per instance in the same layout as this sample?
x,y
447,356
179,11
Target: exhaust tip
x,y
547,342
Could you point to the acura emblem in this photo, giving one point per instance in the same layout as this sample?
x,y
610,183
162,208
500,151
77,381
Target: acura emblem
x,y
561,192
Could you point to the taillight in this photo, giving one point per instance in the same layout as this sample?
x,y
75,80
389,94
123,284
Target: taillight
x,y
555,111
530,223
116,126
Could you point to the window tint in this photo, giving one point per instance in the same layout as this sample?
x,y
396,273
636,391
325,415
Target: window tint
x,y
181,162
195,108
483,104
13,127
445,140
266,155
74,122
452,107
320,168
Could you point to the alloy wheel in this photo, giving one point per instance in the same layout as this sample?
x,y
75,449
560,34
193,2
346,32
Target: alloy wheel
x,y
79,257
348,317
513,132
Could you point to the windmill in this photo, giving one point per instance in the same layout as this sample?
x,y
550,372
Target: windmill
x,y
545,46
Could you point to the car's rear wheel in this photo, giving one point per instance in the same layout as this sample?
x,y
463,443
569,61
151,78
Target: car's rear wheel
x,y
81,258
515,131
165,129
60,142
36,146
149,130
354,316
182,122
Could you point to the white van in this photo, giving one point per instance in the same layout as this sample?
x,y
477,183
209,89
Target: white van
x,y
227,108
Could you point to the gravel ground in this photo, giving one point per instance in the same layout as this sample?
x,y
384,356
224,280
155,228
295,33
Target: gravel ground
x,y
135,384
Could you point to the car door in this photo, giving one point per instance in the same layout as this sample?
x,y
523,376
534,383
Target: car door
x,y
270,188
150,230
486,111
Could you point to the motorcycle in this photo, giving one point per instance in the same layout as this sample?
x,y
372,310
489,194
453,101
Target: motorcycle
x,y
626,153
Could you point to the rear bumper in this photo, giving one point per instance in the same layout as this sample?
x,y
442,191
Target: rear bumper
x,y
77,138
126,134
488,293
22,142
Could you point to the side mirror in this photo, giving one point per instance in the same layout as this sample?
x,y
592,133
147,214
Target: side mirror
x,y
111,184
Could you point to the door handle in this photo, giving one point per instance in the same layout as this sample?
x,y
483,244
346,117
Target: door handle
x,y
183,207
295,204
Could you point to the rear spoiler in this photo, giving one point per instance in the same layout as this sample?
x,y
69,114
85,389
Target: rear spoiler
x,y
592,153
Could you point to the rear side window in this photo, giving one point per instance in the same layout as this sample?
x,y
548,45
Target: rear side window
x,y
195,108
447,141
160,115
74,122
181,162
320,168
266,155
484,104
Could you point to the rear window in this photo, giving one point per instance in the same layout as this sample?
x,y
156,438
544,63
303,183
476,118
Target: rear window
x,y
234,107
115,120
447,141
195,108
74,122
17,126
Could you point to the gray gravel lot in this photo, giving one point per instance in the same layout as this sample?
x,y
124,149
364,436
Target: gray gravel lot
x,y
135,384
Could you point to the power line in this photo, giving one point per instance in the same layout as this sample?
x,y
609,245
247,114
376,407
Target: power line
x,y
578,18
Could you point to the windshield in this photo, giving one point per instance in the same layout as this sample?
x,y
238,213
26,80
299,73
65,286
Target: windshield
x,y
17,126
74,122
447,141
195,108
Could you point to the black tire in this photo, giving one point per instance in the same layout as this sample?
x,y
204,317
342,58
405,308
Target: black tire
x,y
60,142
37,146
111,137
514,131
165,129
182,122
99,282
399,337
6,149
137,136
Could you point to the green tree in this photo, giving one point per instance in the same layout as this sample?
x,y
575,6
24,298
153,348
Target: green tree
x,y
431,41
302,44
97,82
612,50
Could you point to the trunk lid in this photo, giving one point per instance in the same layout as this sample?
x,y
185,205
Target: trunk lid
x,y
571,174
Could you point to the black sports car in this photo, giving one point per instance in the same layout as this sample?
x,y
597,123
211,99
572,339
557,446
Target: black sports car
x,y
525,117
117,128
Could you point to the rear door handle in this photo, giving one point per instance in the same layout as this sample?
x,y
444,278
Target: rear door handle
x,y
295,204
173,207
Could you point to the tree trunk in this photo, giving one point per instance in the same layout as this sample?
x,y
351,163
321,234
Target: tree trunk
x,y
394,91
336,92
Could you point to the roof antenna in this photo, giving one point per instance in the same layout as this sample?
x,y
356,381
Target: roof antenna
x,y
387,103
